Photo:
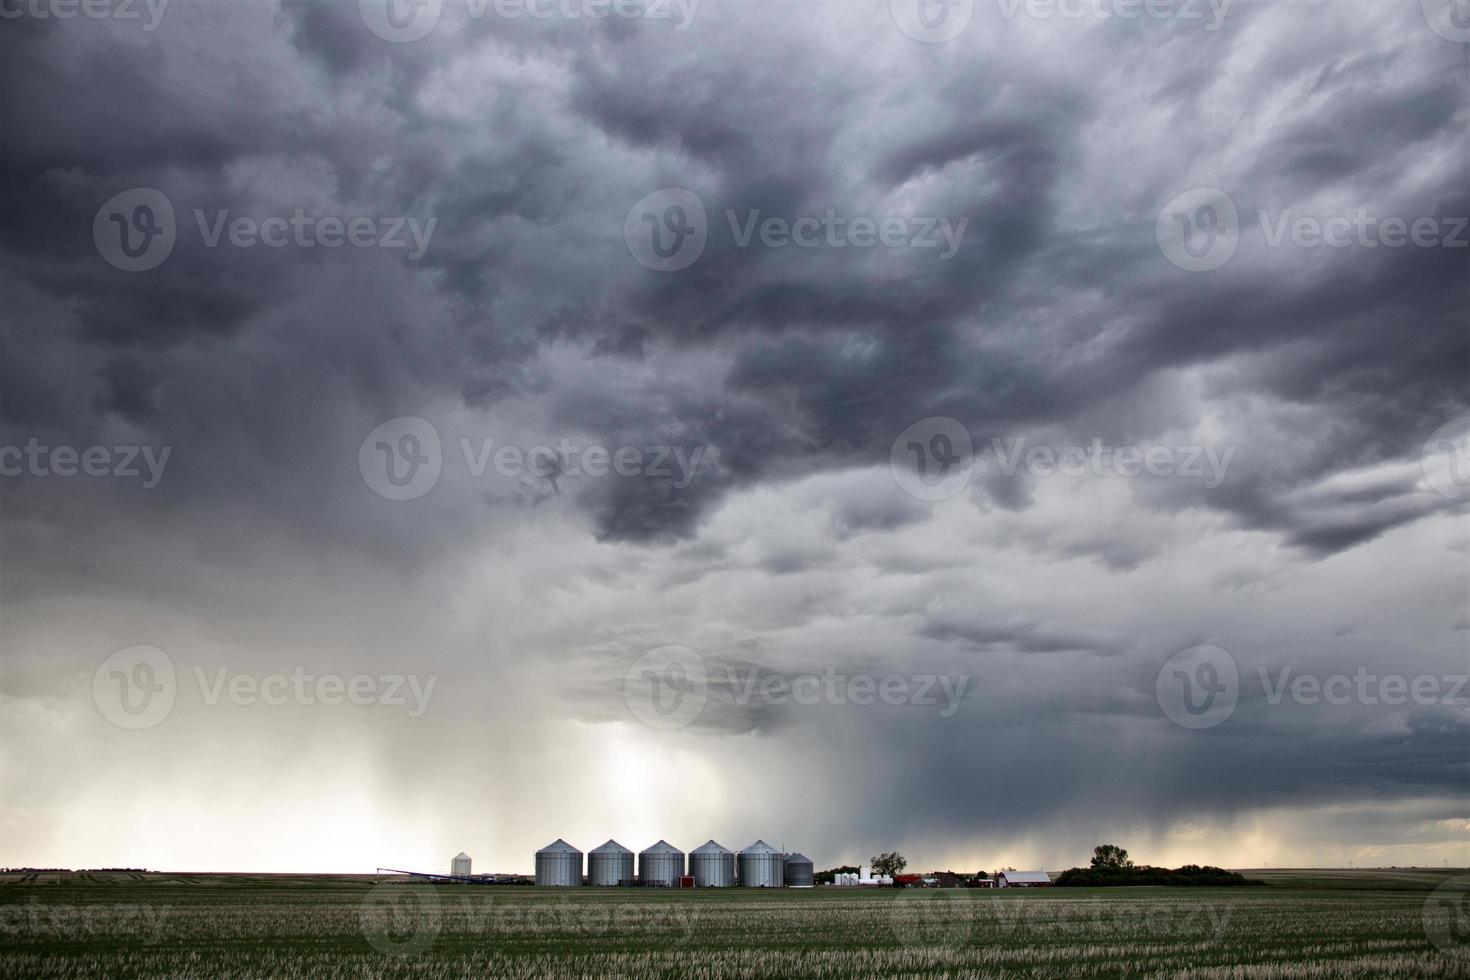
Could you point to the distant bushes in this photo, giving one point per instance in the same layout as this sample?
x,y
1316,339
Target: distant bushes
x,y
1190,874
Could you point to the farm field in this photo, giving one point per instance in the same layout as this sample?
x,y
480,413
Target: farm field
x,y
240,926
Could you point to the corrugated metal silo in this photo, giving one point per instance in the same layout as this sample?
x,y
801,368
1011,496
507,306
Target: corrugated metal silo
x,y
798,872
559,865
761,866
460,866
661,865
712,866
610,864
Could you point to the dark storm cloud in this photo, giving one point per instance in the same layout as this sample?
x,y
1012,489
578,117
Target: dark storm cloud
x,y
794,369
1022,637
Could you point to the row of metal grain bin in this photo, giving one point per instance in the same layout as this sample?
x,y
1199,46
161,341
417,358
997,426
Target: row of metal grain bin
x,y
661,865
610,864
712,866
760,865
559,864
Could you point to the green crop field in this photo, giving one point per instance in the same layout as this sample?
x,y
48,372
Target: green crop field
x,y
1304,924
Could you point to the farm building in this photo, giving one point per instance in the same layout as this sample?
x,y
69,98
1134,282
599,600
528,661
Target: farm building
x,y
1024,879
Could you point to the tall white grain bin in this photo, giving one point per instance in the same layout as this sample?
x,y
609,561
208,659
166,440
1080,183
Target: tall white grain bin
x,y
661,865
559,865
610,864
460,866
761,866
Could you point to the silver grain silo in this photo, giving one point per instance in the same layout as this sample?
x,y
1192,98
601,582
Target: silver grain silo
x,y
559,864
760,866
712,866
661,865
610,864
459,866
797,869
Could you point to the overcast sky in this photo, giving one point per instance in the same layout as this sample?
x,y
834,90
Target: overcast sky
x,y
444,358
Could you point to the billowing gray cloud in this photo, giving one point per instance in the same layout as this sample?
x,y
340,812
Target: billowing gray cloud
x,y
764,518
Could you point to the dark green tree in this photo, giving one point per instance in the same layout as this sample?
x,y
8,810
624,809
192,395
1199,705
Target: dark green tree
x,y
889,863
1110,856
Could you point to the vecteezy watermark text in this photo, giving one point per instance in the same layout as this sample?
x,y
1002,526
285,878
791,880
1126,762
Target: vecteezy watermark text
x,y
404,919
937,21
301,687
123,462
89,9
1098,459
933,459
1200,687
403,458
1211,11
405,21
136,230
137,688
837,689
310,231
141,922
668,230
832,230
669,688
1200,230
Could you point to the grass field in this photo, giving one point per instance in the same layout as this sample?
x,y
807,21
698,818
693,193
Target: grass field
x,y
1304,924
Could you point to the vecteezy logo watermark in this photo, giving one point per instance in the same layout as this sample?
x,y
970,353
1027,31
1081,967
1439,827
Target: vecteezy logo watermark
x,y
1199,229
1127,461
1182,10
1446,459
134,231
667,230
300,687
1364,687
401,459
1450,19
667,688
933,918
90,9
403,21
1198,688
311,231
400,919
135,687
832,230
122,462
833,688
933,458
400,21
143,922
1361,229
932,21
1200,923
1446,916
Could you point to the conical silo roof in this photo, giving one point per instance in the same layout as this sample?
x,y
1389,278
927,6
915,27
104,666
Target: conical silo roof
x,y
662,847
611,847
558,846
760,847
710,847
